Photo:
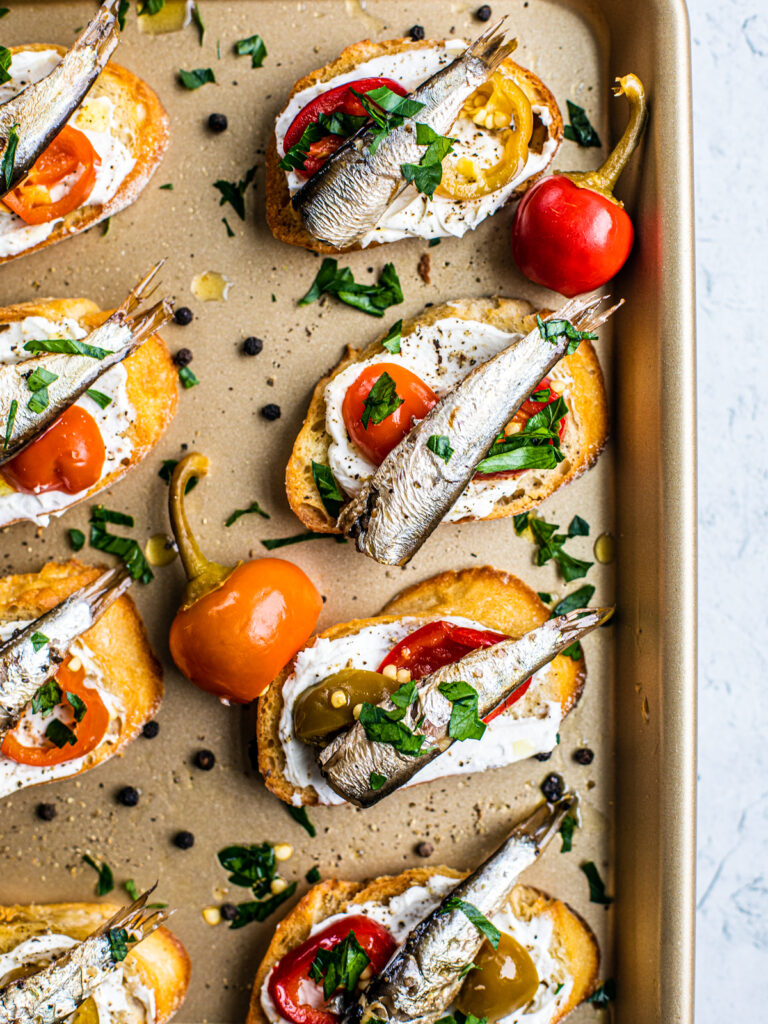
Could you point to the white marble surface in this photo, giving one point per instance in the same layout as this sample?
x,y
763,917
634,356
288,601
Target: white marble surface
x,y
730,83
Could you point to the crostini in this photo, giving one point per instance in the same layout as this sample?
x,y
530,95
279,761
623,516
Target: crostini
x,y
98,155
112,425
136,971
411,947
426,357
108,686
430,624
503,122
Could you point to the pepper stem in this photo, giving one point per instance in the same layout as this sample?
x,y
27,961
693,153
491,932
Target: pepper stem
x,y
203,575
604,179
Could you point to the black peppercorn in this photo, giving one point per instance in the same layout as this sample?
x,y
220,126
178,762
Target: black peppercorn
x,y
184,840
271,411
544,755
218,122
583,755
46,812
553,787
183,316
425,849
150,730
205,760
228,911
128,796
183,357
483,13
252,346
416,33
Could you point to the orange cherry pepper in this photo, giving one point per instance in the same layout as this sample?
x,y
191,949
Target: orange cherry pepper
x,y
238,626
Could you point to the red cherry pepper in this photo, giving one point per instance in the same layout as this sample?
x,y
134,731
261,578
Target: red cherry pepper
x,y
443,643
570,233
69,456
298,998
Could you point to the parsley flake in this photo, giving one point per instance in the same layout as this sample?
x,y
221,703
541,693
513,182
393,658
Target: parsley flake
x,y
464,723
372,299
381,402
597,892
478,919
331,495
6,167
580,129
254,507
391,341
252,47
440,445
233,192
105,882
340,966
194,79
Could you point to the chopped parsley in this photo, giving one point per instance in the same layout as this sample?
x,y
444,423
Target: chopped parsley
x,y
5,62
187,377
521,522
233,192
9,423
300,816
467,968
578,527
330,493
78,705
391,341
60,734
340,966
372,299
283,542
39,640
254,507
551,330
99,398
105,882
254,867
604,993
194,79
230,232
130,887
118,939
47,697
441,446
464,723
544,596
125,548
69,346
76,538
427,174
566,829
376,780
9,156
550,544
167,188
252,47
38,382
150,7
597,892
313,875
381,402
580,129
388,110
457,1017
4,11
536,446
122,10
576,599
478,919
198,20
385,725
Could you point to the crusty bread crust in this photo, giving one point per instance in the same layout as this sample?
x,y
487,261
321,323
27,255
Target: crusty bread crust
x,y
119,642
151,384
160,960
141,124
498,599
576,945
583,441
285,223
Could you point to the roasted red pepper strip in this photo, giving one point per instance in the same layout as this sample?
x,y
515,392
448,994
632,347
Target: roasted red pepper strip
x,y
570,233
299,999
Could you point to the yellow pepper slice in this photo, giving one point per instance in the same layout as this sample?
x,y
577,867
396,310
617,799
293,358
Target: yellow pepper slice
x,y
502,108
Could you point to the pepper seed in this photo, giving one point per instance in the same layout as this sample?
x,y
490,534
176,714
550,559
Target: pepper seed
x,y
544,755
228,911
205,760
271,412
46,812
483,13
553,787
183,316
425,850
218,123
184,840
584,755
183,357
416,33
252,346
150,730
128,796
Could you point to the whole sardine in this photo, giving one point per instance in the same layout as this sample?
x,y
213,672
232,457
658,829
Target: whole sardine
x,y
494,672
413,488
349,194
74,373
52,993
40,111
23,670
423,978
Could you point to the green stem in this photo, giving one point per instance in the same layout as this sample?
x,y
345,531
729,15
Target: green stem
x,y
203,574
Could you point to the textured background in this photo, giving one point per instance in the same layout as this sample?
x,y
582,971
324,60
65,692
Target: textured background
x,y
730,78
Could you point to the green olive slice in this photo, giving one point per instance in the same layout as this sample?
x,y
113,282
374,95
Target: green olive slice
x,y
506,981
328,707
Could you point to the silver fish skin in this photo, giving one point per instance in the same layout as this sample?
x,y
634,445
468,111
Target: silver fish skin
x,y
423,977
42,109
413,488
350,193
54,992
23,670
494,672
120,335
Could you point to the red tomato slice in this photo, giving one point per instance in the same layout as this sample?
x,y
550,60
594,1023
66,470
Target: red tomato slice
x,y
528,409
70,153
443,643
341,99
378,439
298,998
68,457
90,730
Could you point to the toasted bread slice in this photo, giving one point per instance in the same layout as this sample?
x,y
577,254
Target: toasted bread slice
x,y
132,675
152,385
499,600
139,122
285,223
159,962
582,443
574,944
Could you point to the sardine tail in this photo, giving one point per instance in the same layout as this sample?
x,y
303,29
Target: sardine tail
x,y
492,47
102,33
542,824
105,590
138,919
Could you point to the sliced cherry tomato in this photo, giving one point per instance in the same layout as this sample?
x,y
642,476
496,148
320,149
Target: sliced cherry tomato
x,y
338,100
378,439
68,457
443,643
89,731
528,409
69,156
298,998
